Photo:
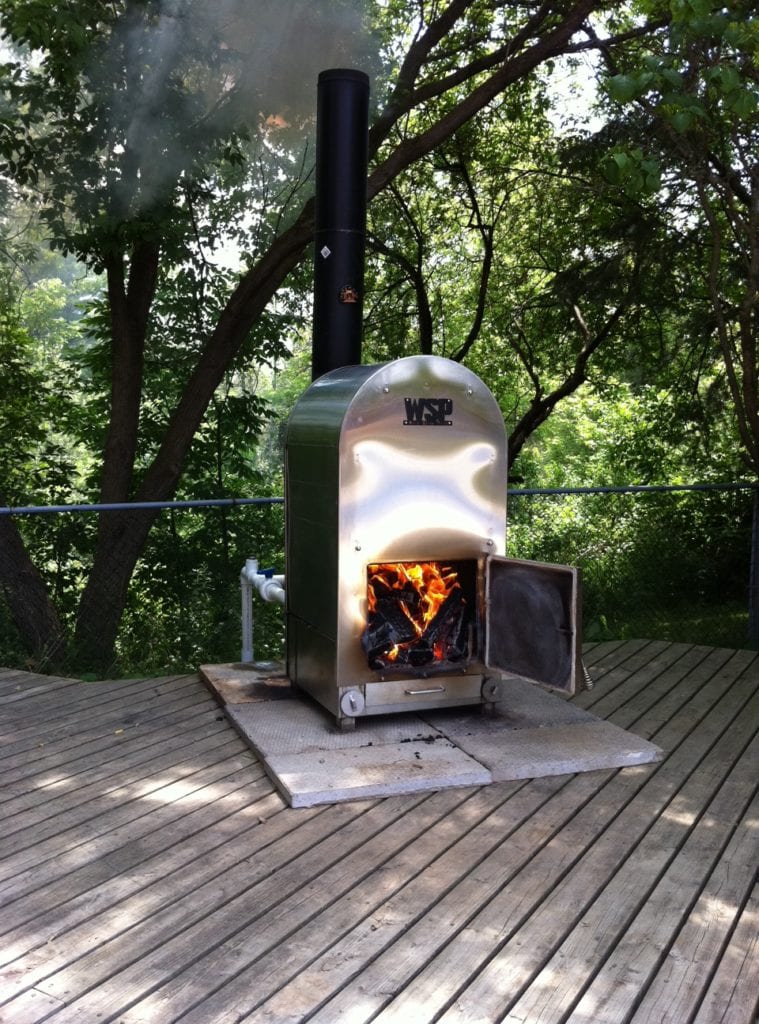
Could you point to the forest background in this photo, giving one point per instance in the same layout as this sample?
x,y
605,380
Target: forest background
x,y
563,195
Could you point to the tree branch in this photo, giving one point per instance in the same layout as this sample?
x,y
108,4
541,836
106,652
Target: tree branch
x,y
541,407
415,276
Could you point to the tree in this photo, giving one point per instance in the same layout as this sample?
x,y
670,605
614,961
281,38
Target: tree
x,y
513,253
690,121
134,124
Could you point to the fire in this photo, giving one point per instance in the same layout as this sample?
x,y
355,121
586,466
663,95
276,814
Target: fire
x,y
425,585
276,121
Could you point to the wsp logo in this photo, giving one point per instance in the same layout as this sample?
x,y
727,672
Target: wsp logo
x,y
428,412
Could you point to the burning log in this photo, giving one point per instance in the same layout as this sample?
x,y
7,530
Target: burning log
x,y
448,631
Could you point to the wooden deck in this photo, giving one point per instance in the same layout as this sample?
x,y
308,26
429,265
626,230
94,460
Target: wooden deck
x,y
150,873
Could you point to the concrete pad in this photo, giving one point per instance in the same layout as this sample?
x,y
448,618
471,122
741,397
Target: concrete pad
x,y
301,726
530,734
557,750
359,773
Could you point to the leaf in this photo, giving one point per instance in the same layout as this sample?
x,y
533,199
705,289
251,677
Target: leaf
x,y
729,78
681,120
622,88
701,8
743,103
673,78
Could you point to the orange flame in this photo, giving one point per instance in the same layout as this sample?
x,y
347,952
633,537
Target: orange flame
x,y
431,580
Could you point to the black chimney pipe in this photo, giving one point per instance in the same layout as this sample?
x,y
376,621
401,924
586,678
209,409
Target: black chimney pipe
x,y
342,120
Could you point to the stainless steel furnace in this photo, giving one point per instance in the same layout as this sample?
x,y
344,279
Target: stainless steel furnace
x,y
399,596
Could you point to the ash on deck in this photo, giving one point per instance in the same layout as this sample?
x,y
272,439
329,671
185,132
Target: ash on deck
x,y
532,734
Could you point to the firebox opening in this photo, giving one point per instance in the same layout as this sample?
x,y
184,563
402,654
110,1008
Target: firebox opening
x,y
421,615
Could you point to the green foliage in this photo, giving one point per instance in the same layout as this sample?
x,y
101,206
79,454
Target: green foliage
x,y
686,124
133,119
38,462
286,384
700,84
667,566
626,433
670,566
184,606
634,171
703,74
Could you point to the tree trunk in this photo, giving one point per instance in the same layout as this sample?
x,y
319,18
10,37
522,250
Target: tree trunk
x,y
33,612
103,600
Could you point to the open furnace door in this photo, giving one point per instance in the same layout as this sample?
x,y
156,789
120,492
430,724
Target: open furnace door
x,y
532,621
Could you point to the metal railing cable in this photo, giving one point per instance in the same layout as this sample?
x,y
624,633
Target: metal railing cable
x,y
660,561
514,492
132,506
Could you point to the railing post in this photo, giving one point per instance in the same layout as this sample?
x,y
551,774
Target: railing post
x,y
753,587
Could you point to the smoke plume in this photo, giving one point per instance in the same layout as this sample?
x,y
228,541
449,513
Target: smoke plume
x,y
195,70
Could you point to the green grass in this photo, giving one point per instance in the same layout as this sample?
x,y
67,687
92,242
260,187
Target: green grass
x,y
725,625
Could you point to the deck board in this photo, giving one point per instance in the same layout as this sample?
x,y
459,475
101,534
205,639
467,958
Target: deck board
x,y
69,754
149,872
733,988
687,961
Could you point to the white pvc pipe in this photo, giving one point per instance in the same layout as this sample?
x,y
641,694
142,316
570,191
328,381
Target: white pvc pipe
x,y
246,594
269,588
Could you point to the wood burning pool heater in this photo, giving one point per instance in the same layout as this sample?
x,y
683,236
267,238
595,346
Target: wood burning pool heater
x,y
399,594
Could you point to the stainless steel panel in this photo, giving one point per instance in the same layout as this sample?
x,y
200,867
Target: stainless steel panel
x,y
434,691
312,489
532,621
311,662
